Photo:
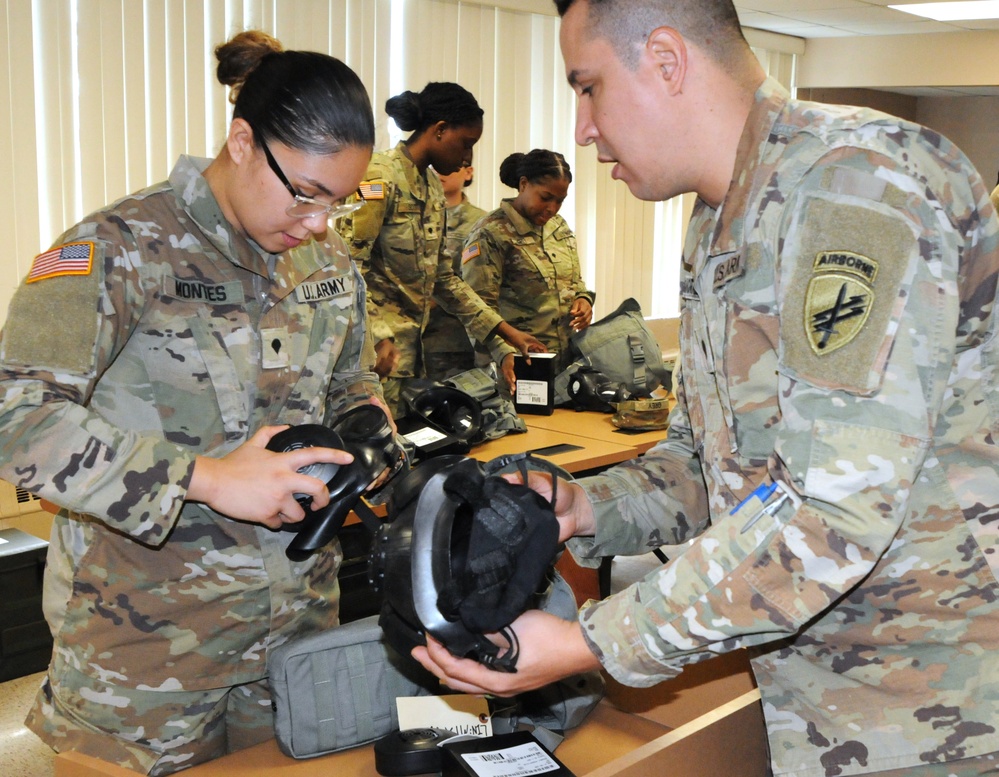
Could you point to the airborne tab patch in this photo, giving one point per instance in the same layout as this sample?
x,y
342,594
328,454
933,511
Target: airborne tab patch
x,y
67,259
839,299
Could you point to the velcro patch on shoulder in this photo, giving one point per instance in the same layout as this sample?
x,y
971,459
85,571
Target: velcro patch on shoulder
x,y
366,223
848,264
67,259
54,325
471,251
372,190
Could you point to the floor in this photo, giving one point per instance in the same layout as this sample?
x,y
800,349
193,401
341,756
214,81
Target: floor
x,y
22,754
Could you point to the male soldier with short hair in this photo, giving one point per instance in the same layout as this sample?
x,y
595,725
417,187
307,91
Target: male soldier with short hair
x,y
832,460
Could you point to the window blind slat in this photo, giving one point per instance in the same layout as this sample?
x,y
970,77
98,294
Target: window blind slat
x,y
104,95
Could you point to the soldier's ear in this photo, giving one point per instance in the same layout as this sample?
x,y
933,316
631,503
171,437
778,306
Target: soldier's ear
x,y
240,142
667,52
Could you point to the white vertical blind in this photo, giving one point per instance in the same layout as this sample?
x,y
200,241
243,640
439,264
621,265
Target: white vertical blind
x,y
102,96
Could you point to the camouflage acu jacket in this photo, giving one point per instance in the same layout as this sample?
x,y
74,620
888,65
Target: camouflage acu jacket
x,y
178,341
529,274
838,334
397,239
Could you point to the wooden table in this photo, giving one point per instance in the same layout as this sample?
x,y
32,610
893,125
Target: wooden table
x,y
594,426
587,452
727,739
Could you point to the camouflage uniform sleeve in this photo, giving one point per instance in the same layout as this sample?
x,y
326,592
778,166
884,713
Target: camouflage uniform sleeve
x,y
60,336
658,499
577,283
848,446
361,229
482,270
353,381
460,300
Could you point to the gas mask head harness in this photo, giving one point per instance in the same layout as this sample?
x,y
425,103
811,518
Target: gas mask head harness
x,y
364,432
464,553
590,389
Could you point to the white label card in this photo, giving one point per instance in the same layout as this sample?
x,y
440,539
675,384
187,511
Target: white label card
x,y
457,713
424,436
517,761
532,392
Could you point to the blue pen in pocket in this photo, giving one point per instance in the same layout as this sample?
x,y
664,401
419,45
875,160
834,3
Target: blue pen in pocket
x,y
763,493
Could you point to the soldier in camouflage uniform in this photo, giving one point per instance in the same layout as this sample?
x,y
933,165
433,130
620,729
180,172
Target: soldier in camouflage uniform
x,y
446,347
832,462
522,259
397,239
144,365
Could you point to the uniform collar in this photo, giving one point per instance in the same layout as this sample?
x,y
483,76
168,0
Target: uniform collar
x,y
418,183
522,225
769,103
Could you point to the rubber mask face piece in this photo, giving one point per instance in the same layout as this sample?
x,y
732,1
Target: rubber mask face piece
x,y
464,553
364,432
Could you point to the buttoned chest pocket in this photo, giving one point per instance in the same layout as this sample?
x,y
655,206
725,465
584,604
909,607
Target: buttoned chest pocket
x,y
531,267
741,332
194,357
411,243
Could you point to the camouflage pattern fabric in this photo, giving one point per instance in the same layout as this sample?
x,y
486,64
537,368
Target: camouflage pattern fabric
x,y
530,274
397,239
838,336
446,347
183,339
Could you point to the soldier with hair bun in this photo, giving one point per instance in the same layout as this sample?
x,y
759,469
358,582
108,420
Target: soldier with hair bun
x,y
398,238
146,361
522,259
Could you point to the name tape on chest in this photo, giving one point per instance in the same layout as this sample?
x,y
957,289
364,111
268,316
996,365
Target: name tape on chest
x,y
728,268
67,259
839,299
213,293
317,291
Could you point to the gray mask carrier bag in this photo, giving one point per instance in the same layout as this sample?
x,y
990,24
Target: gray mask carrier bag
x,y
621,346
337,689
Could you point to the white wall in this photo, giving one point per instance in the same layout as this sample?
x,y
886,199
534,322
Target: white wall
x,y
942,59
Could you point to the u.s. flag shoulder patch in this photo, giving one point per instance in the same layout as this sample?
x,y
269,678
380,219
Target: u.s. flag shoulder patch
x,y
372,190
470,252
67,259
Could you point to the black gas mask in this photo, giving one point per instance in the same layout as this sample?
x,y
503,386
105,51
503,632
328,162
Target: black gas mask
x,y
366,433
464,553
590,389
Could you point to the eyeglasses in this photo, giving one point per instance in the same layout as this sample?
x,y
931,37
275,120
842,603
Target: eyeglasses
x,y
306,207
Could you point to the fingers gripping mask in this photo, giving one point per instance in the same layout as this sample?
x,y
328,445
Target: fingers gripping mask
x,y
364,432
464,553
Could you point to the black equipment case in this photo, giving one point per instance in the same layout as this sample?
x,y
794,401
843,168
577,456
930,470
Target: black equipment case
x,y
25,641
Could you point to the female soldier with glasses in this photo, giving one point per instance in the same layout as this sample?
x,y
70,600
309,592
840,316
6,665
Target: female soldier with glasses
x,y
146,362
